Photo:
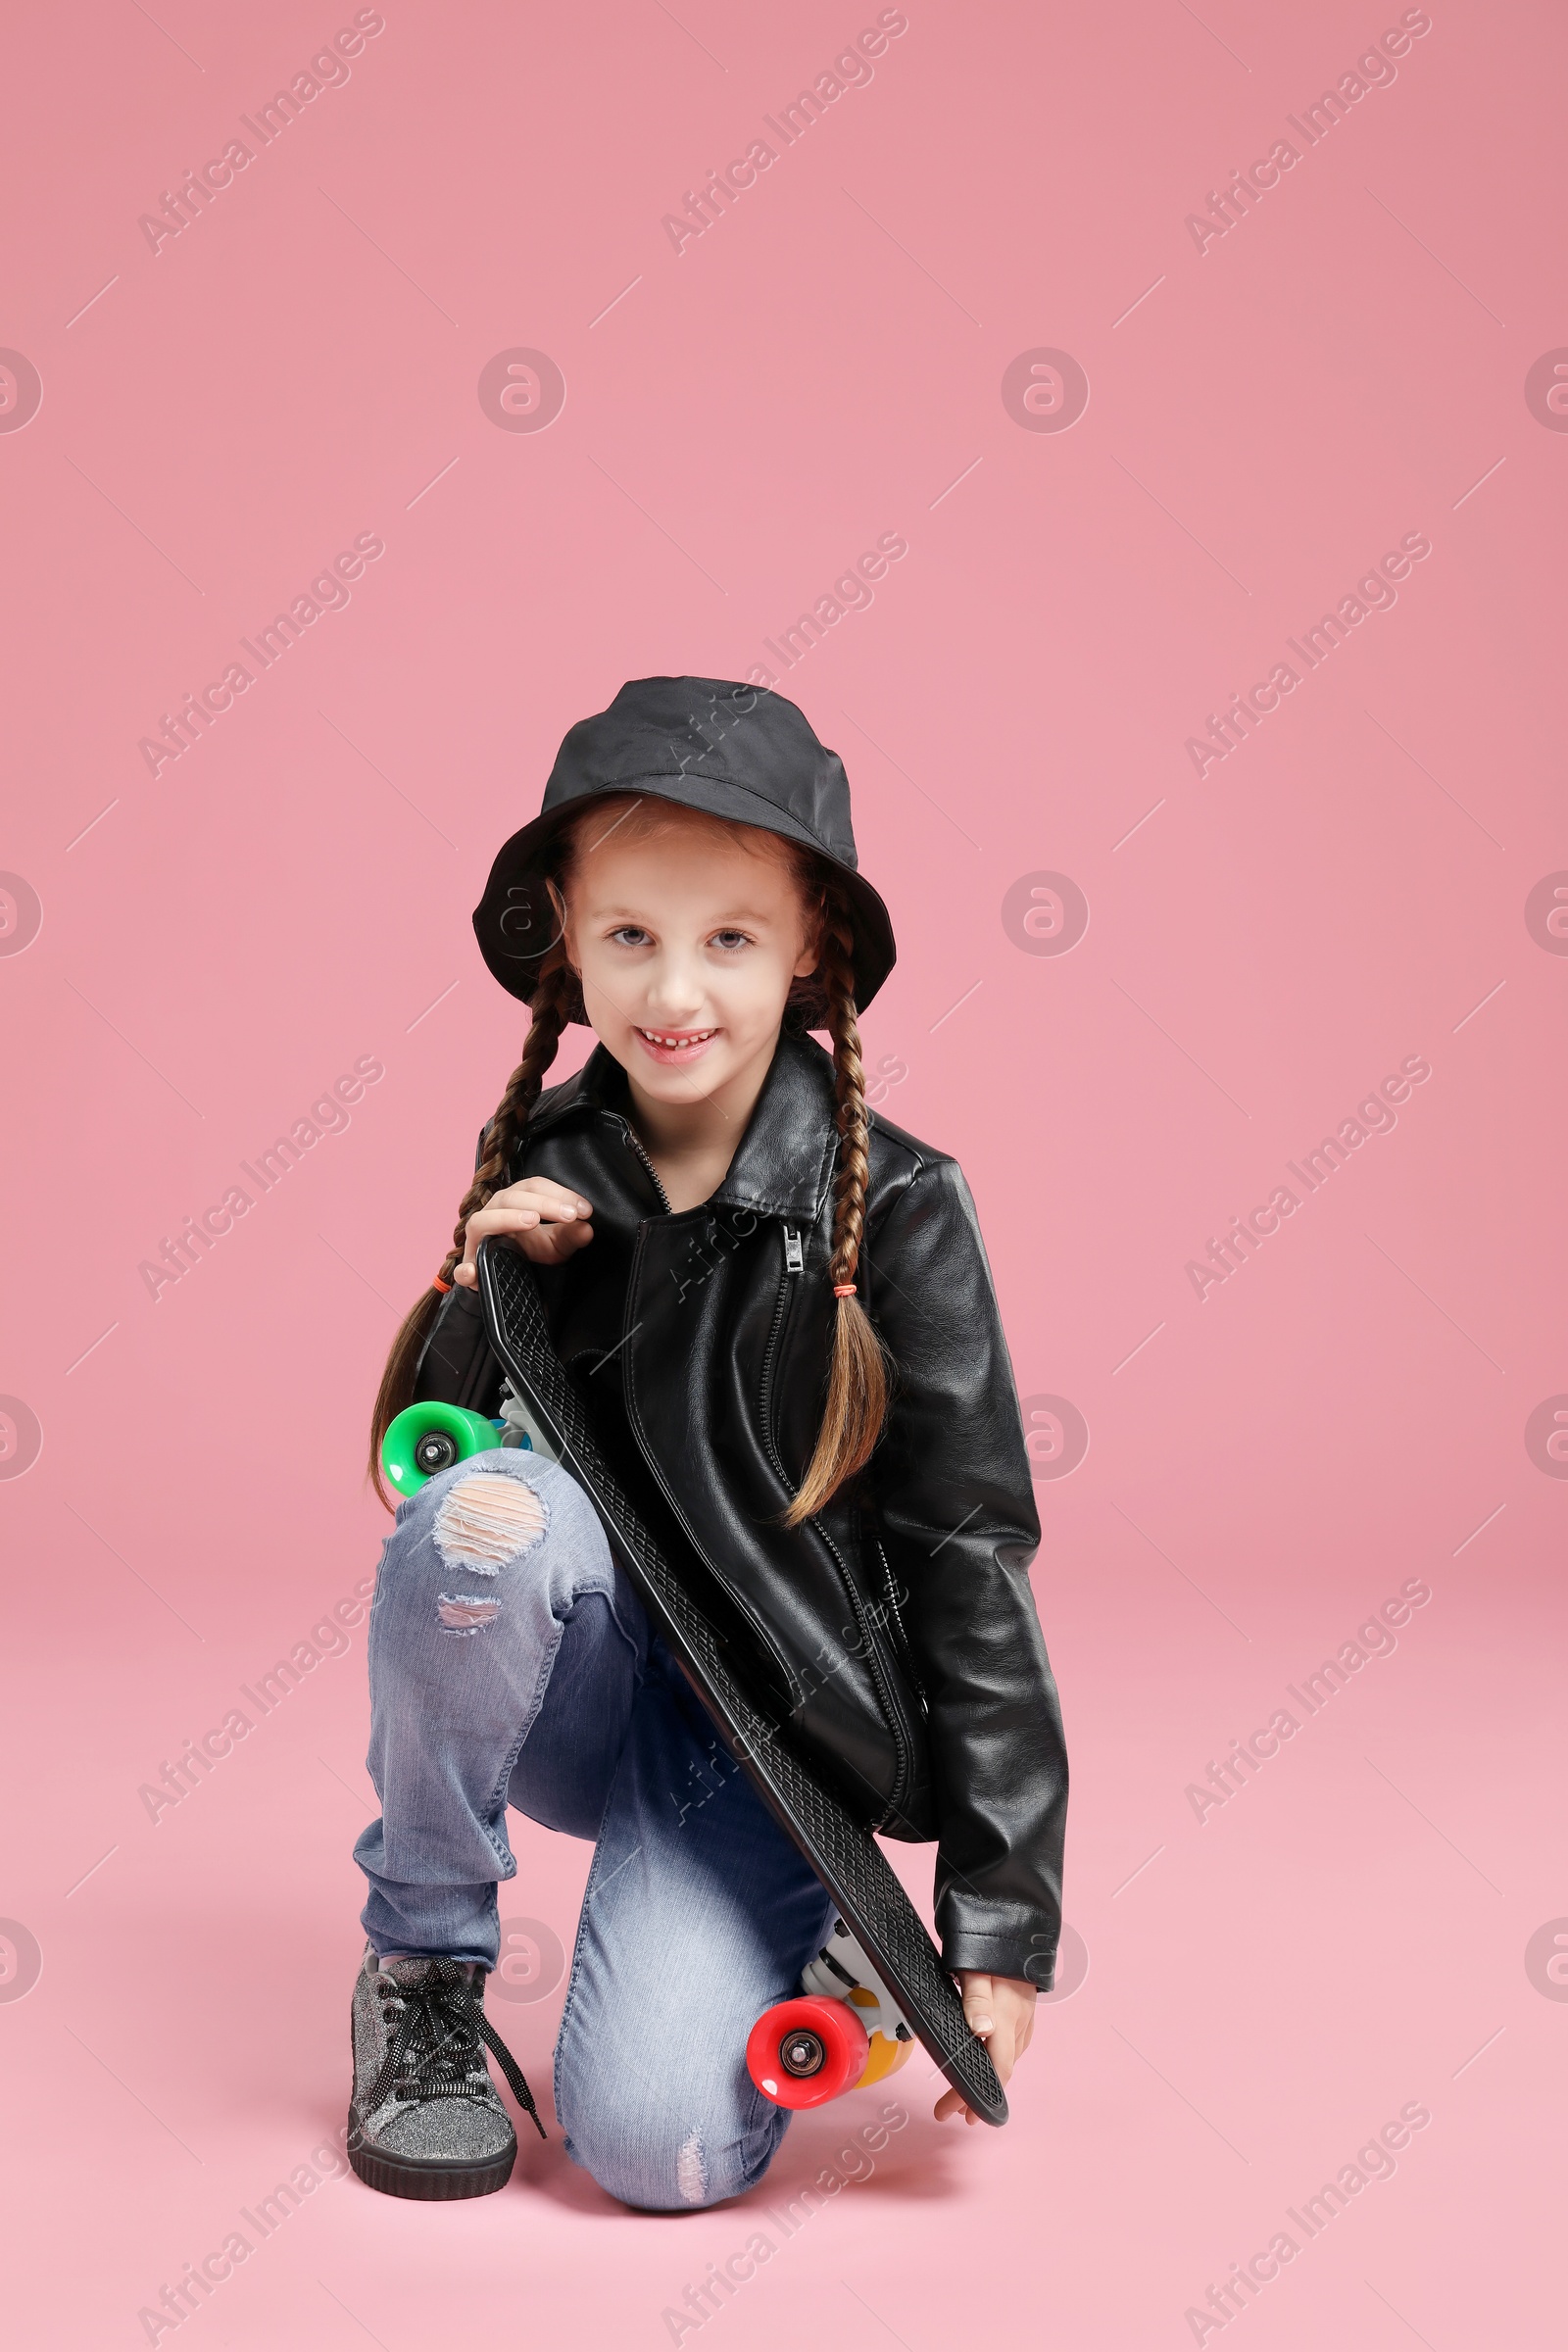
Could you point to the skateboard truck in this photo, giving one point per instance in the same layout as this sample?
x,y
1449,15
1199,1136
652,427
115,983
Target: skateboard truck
x,y
842,2031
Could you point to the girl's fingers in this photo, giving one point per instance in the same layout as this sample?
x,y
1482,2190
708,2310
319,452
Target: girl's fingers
x,y
540,1192
547,1241
521,1209
517,1217
486,1221
979,2005
1001,2011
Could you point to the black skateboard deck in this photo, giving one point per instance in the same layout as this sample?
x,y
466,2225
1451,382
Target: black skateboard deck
x,y
852,1866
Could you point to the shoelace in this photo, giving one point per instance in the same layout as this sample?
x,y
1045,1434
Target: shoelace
x,y
436,2051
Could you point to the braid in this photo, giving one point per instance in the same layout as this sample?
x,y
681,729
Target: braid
x,y
550,1007
858,1378
854,1166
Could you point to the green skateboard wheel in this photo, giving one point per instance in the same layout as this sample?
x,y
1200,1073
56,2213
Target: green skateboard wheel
x,y
428,1438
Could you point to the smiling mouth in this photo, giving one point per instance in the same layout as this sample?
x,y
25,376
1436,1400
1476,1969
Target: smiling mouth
x,y
672,1039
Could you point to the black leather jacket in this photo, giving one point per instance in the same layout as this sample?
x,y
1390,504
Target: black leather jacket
x,y
896,1630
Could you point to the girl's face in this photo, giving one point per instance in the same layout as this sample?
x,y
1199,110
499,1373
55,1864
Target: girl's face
x,y
686,944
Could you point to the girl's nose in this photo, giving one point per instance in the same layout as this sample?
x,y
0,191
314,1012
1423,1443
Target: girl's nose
x,y
676,990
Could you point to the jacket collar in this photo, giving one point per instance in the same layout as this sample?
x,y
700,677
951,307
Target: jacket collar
x,y
783,1164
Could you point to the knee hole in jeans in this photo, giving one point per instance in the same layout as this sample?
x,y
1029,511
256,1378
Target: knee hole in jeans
x,y
691,2170
487,1520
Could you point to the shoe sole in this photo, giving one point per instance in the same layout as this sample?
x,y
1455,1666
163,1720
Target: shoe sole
x,y
437,2178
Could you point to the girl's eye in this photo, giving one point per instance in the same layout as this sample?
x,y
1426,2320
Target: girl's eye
x,y
629,935
731,939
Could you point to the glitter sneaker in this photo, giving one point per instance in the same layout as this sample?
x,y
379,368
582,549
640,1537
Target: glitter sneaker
x,y
426,2120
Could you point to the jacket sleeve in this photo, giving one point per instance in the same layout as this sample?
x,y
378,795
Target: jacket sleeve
x,y
951,1488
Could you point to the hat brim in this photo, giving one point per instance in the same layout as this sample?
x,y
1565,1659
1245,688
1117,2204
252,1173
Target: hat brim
x,y
515,921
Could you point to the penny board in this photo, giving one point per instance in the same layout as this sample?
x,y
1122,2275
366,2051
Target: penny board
x,y
845,1856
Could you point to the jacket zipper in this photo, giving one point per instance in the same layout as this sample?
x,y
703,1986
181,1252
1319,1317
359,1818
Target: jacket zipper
x,y
630,1134
794,1264
765,1391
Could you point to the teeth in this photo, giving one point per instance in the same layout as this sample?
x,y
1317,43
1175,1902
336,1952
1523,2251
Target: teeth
x,y
701,1037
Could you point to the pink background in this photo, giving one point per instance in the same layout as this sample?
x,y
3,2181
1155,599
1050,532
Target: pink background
x,y
1266,1465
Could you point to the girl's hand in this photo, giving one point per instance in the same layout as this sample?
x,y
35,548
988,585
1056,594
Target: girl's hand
x,y
546,1221
1001,2011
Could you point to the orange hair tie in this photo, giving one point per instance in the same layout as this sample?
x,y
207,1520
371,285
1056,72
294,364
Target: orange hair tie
x,y
439,1285
843,1290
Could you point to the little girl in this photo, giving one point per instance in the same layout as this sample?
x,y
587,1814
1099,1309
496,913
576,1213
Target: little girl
x,y
780,1314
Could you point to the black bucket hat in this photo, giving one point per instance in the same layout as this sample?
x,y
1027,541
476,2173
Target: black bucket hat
x,y
736,752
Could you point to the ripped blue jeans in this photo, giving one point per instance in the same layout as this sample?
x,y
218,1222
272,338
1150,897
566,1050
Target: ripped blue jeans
x,y
511,1663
